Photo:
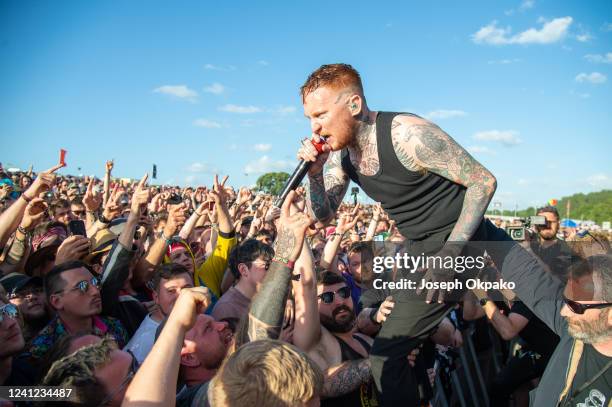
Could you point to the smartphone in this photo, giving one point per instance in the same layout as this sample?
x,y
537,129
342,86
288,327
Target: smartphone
x,y
211,205
174,199
77,227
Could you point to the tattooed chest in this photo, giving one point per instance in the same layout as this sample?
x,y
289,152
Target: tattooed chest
x,y
367,163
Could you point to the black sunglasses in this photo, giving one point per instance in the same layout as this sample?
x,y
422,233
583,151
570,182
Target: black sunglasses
x,y
578,308
328,297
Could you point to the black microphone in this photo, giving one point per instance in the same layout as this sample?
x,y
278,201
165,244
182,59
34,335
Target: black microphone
x,y
298,175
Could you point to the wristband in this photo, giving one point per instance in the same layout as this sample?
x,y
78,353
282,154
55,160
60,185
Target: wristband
x,y
373,316
286,262
168,241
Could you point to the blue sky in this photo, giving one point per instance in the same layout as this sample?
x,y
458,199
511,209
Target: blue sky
x,y
198,87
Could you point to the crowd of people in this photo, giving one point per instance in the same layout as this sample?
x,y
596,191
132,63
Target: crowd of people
x,y
130,293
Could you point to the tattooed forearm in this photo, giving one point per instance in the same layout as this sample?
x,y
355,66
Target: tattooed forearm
x,y
285,242
348,376
423,146
327,189
268,306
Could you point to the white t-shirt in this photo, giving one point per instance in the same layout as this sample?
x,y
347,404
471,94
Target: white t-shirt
x,y
142,342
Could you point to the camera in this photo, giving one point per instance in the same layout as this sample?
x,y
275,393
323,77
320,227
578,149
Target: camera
x,y
519,232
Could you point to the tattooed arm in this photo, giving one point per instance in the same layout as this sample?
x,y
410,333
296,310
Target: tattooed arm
x,y
268,306
327,188
346,377
421,145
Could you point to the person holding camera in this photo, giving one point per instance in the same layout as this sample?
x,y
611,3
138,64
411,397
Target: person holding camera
x,y
552,251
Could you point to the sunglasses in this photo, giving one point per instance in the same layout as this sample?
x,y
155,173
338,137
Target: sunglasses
x,y
578,308
328,297
8,310
264,264
83,286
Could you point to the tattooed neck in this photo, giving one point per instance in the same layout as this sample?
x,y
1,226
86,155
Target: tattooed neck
x,y
366,129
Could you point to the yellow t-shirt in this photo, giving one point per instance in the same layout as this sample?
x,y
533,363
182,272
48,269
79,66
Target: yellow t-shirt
x,y
210,273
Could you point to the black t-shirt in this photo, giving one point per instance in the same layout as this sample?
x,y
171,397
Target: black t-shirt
x,y
536,333
598,393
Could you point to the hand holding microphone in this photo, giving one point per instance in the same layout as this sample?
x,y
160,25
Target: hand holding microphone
x,y
313,155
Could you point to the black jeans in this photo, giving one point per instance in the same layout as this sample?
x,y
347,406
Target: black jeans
x,y
412,321
519,369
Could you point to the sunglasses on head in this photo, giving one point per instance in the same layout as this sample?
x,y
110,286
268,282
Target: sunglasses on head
x,y
328,297
8,310
83,286
579,308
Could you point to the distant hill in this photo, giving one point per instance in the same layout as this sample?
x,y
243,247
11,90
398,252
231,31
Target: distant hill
x,y
596,206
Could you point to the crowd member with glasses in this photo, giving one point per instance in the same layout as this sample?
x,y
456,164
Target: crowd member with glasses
x,y
74,293
27,294
99,374
580,370
14,368
248,263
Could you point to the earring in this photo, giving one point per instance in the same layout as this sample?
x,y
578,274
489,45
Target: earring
x,y
353,106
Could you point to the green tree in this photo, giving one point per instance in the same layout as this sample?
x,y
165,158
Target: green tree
x,y
272,182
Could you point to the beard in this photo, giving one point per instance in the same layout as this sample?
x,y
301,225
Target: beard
x,y
341,324
591,331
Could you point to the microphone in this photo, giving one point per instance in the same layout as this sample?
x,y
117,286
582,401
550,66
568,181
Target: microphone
x,y
298,175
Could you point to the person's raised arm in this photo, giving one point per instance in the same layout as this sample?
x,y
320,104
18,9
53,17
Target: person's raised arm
x,y
327,183
107,176
307,327
10,218
346,222
91,201
268,306
376,213
155,382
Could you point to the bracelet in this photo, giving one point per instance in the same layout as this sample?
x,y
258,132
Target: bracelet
x,y
26,198
168,241
22,231
286,262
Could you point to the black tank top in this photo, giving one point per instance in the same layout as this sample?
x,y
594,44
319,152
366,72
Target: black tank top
x,y
420,203
365,395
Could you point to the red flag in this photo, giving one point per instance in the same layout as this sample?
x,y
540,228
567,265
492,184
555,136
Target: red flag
x,y
63,157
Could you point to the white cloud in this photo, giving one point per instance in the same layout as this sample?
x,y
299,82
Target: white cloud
x,y
209,124
178,91
593,77
284,109
551,31
198,167
526,5
262,147
506,137
599,59
263,62
240,109
215,88
503,61
586,37
600,180
227,68
266,164
606,27
445,114
480,150
189,179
